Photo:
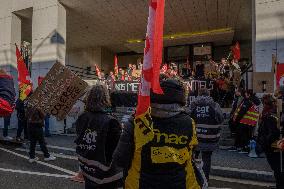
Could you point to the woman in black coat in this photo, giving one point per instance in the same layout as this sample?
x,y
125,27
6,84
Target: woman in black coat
x,y
98,133
268,137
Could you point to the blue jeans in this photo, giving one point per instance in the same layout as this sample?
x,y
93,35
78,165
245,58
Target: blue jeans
x,y
6,125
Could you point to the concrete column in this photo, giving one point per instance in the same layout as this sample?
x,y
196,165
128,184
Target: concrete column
x,y
48,37
10,25
269,34
48,43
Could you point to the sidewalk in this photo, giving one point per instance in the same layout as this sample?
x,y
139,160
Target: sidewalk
x,y
224,163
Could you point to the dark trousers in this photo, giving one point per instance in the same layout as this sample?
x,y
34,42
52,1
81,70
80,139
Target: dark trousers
x,y
274,162
46,126
206,158
90,185
243,135
36,135
6,125
22,125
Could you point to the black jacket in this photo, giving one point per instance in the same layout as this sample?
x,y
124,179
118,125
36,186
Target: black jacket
x,y
268,132
208,117
97,136
153,166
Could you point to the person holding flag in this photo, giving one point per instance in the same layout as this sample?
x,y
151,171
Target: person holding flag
x,y
155,148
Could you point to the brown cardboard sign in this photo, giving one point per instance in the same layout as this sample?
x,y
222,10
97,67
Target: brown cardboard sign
x,y
263,80
58,92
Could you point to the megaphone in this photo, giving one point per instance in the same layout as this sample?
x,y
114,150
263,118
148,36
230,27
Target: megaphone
x,y
252,152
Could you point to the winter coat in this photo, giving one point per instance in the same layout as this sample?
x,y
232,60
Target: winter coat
x,y
97,137
268,132
208,117
164,162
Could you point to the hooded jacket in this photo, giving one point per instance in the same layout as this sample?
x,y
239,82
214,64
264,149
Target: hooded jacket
x,y
165,162
208,116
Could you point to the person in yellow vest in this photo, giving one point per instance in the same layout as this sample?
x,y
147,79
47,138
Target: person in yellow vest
x,y
166,160
246,117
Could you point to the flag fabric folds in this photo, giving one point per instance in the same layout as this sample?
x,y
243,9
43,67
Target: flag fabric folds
x,y
25,85
237,51
7,95
150,73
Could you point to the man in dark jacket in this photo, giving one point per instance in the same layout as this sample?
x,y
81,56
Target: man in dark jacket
x,y
268,136
208,116
166,161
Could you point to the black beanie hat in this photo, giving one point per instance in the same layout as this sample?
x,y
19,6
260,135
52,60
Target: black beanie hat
x,y
174,92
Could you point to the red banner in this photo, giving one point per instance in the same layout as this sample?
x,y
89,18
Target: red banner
x,y
280,75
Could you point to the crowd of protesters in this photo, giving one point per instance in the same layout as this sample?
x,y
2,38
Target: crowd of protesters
x,y
186,134
195,125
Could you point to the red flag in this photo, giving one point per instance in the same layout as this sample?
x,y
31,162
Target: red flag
x,y
98,71
25,85
164,68
237,51
23,74
280,75
39,80
115,65
152,56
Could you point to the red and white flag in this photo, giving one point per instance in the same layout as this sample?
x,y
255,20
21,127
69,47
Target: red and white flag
x,y
152,56
143,130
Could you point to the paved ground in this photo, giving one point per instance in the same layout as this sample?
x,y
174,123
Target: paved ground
x,y
17,173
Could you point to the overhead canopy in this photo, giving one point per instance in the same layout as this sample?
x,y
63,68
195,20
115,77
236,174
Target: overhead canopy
x,y
120,25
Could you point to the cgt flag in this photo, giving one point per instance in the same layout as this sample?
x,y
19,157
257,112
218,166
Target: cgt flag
x,y
280,75
25,86
143,130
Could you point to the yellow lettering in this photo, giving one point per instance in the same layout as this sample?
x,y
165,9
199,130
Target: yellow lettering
x,y
173,139
169,139
183,139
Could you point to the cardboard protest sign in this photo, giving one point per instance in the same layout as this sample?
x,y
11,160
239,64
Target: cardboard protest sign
x,y
58,92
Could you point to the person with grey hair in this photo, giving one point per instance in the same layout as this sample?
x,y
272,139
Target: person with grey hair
x,y
98,133
208,116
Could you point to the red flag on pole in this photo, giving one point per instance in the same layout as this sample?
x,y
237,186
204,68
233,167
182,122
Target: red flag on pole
x,y
152,56
143,130
115,65
98,71
237,51
25,86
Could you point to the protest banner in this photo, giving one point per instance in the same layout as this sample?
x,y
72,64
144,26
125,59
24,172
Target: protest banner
x,y
58,92
126,86
195,85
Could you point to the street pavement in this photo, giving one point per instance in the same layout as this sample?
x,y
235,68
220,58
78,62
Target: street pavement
x,y
17,173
